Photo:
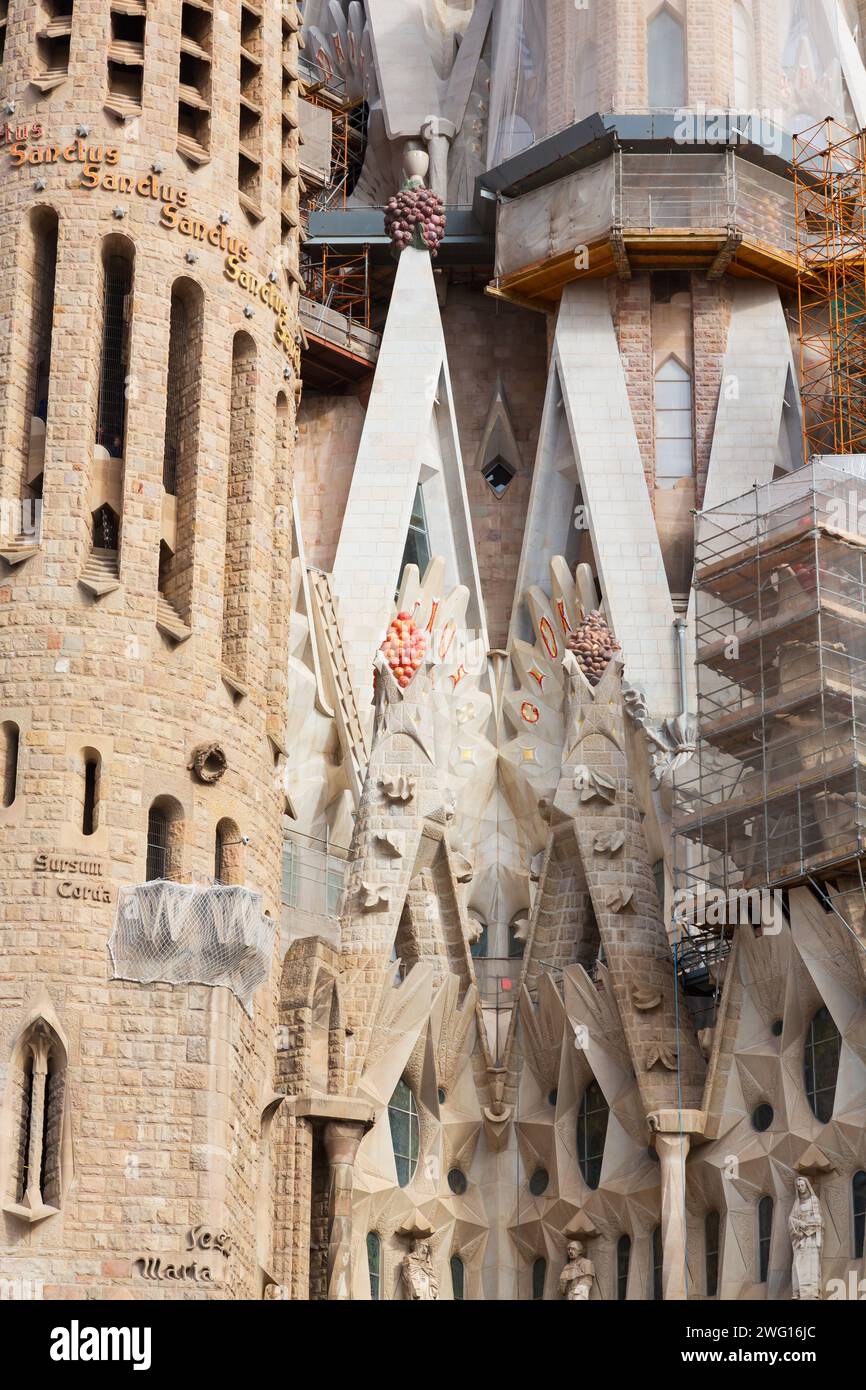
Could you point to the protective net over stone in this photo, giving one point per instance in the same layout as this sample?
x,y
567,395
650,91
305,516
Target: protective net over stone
x,y
184,933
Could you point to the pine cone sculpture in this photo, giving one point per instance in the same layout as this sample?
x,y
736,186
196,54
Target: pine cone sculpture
x,y
593,644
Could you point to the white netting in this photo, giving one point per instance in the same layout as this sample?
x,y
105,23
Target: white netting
x,y
184,933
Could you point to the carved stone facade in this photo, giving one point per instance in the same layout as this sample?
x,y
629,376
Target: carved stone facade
x,y
458,1048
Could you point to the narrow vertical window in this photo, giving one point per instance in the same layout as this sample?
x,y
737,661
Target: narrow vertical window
x,y
821,1064
858,1196
157,844
458,1278
239,504
4,20
126,59
114,356
674,424
403,1119
417,548
181,448
291,874
281,559
666,61
53,42
539,1277
91,791
623,1260
11,740
37,1182
250,118
765,1235
374,1265
592,1118
43,262
194,88
657,1265
711,1252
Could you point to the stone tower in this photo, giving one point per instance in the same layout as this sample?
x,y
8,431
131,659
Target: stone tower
x,y
149,370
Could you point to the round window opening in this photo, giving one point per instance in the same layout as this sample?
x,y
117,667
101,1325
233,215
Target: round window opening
x,y
539,1181
441,1094
776,1028
762,1117
457,1181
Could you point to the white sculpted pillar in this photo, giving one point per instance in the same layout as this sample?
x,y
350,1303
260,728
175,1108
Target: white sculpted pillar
x,y
672,1150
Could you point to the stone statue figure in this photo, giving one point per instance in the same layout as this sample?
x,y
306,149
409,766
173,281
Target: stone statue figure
x,y
806,1229
575,1281
419,1276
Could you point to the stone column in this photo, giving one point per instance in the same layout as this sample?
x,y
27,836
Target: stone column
x,y
438,134
33,1196
341,1139
672,1150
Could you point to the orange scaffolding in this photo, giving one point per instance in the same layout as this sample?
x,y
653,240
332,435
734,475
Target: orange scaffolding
x,y
340,280
830,199
348,131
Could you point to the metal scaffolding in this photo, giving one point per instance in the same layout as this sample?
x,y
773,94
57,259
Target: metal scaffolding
x,y
777,794
830,204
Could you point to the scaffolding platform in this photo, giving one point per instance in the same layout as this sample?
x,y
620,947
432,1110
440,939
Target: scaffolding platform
x,y
778,789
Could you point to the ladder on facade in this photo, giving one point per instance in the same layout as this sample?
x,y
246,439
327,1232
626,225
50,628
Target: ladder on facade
x,y
350,728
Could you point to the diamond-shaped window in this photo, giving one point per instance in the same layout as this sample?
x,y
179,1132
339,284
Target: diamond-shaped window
x,y
498,474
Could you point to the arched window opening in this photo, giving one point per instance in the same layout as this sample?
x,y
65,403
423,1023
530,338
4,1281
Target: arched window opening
x,y
164,840
374,1265
666,61
539,1277
239,506
623,1260
858,1197
821,1064
43,262
657,1265
90,812
4,20
674,424
458,1278
228,853
711,1252
11,743
417,548
114,357
403,1119
592,1120
41,1080
765,1235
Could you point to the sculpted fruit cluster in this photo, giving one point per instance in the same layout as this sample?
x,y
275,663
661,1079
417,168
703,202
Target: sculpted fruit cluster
x,y
404,647
593,644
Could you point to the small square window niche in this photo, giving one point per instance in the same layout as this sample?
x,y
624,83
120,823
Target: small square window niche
x,y
498,474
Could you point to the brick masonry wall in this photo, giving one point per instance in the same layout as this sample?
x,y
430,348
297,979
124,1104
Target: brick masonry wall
x,y
164,1084
485,340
